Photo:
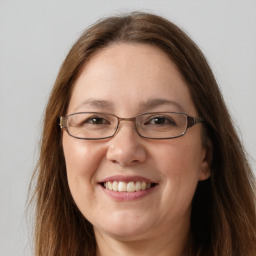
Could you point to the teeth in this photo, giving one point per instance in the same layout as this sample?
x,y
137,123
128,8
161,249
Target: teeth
x,y
130,186
143,185
122,187
109,185
115,186
138,186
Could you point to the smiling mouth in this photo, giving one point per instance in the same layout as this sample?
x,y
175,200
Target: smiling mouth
x,y
121,186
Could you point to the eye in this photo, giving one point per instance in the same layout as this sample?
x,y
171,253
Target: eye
x,y
160,120
97,120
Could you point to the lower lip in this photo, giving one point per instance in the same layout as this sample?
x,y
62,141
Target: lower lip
x,y
128,196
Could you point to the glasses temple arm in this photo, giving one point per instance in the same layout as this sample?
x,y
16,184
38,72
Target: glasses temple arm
x,y
61,122
194,120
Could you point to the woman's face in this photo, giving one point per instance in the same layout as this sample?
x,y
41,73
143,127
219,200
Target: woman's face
x,y
128,80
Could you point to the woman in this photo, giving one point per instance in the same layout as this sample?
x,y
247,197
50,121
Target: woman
x,y
144,159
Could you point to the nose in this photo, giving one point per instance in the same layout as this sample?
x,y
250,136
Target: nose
x,y
126,147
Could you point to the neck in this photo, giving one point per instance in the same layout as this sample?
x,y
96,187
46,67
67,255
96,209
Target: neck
x,y
161,245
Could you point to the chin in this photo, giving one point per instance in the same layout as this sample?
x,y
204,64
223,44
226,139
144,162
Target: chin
x,y
125,228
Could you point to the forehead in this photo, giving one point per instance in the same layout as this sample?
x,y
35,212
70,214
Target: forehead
x,y
126,75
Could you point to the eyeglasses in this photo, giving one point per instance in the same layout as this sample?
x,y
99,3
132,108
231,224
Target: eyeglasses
x,y
156,125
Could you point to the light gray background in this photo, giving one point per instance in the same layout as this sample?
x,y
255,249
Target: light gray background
x,y
35,36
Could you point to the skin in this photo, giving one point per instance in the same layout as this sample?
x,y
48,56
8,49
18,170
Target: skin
x,y
127,76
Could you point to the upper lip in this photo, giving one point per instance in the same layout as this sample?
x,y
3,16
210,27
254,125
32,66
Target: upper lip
x,y
126,179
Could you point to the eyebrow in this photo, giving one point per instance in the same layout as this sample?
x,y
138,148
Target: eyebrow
x,y
145,105
92,102
153,103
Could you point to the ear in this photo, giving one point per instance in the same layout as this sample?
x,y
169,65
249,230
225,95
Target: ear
x,y
205,171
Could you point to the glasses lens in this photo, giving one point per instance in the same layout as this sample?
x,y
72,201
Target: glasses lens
x,y
91,125
162,125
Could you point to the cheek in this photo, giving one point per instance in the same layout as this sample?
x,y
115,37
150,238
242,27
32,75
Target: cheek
x,y
82,160
180,169
180,165
179,158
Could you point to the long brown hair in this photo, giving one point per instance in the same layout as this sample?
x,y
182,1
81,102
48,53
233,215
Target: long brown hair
x,y
223,221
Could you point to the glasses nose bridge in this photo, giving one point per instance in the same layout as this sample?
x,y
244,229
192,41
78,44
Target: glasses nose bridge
x,y
129,119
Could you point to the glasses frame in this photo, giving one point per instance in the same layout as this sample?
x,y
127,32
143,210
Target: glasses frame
x,y
191,121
